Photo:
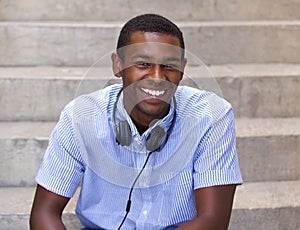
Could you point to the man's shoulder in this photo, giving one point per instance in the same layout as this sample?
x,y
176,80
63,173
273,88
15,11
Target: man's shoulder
x,y
95,102
196,102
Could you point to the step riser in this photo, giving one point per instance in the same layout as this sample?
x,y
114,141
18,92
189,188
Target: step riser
x,y
21,222
78,45
43,99
269,158
184,10
262,96
261,159
263,219
39,99
20,161
259,219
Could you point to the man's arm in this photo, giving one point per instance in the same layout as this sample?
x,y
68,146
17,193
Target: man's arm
x,y
47,210
214,205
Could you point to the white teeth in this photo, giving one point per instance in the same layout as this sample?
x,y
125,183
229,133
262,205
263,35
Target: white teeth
x,y
155,93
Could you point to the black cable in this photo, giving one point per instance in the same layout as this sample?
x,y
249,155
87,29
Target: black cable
x,y
128,205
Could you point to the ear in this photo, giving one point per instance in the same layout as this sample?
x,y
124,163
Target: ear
x,y
116,64
183,64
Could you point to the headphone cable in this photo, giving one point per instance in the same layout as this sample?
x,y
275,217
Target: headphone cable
x,y
128,205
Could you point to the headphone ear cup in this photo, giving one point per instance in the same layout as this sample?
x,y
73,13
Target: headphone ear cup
x,y
156,138
123,135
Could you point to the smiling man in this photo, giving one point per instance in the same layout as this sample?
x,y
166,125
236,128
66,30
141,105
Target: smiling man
x,y
152,65
149,154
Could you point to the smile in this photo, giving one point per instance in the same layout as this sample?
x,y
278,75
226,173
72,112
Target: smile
x,y
154,93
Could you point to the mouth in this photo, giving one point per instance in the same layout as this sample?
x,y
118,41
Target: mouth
x,y
153,93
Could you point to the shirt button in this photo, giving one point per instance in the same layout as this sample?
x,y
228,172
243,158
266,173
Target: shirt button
x,y
145,212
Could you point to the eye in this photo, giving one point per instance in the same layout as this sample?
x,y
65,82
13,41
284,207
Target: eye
x,y
142,64
170,66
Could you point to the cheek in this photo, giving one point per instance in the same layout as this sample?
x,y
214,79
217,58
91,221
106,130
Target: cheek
x,y
176,78
131,76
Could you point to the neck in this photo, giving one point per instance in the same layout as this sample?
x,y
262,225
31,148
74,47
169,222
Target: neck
x,y
144,121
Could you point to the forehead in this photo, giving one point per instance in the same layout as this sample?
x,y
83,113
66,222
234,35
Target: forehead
x,y
154,45
143,37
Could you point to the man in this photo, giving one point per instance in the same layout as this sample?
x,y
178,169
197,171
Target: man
x,y
150,154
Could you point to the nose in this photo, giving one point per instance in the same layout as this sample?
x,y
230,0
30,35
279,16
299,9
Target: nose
x,y
157,73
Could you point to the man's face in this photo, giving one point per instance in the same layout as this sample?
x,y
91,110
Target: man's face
x,y
151,69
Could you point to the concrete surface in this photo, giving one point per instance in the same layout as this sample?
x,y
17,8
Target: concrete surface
x,y
252,48
261,206
105,10
268,149
39,93
83,43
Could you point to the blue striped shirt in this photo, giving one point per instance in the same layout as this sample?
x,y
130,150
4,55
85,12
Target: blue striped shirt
x,y
200,151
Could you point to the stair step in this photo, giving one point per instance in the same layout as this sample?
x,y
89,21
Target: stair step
x,y
83,43
267,205
184,10
254,90
40,93
22,144
264,205
268,149
16,204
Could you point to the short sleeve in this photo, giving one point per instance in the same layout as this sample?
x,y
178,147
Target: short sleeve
x,y
62,166
216,161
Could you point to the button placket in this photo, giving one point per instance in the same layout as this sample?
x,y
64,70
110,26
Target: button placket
x,y
147,204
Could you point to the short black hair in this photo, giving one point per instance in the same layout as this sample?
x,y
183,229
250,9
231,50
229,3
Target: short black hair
x,y
149,23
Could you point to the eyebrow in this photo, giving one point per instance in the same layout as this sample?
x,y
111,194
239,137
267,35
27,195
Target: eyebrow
x,y
173,59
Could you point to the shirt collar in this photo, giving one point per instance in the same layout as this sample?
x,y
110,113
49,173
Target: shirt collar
x,y
121,115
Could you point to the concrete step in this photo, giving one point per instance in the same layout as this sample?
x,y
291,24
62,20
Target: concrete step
x,y
106,10
83,43
16,204
254,90
268,150
267,205
260,206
